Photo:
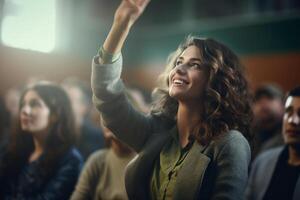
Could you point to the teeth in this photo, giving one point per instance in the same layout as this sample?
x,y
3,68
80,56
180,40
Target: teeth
x,y
178,81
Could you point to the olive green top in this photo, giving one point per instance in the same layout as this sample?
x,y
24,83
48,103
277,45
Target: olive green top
x,y
167,166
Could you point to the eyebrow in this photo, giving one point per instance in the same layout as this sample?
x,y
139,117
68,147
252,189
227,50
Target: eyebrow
x,y
193,59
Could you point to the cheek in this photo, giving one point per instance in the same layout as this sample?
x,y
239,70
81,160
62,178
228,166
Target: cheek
x,y
44,119
201,82
171,74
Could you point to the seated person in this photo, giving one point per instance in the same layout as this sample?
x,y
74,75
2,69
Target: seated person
x,y
268,110
89,138
39,161
275,173
104,172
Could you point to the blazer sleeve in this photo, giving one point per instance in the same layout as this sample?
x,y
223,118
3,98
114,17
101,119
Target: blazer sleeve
x,y
129,125
232,169
89,177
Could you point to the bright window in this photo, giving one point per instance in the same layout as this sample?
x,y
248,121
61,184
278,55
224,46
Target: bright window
x,y
29,24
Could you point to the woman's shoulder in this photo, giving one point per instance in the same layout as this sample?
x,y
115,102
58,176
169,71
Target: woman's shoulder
x,y
231,142
72,156
231,137
98,156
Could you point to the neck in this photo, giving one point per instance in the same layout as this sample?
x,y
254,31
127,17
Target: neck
x,y
187,118
39,144
121,149
294,155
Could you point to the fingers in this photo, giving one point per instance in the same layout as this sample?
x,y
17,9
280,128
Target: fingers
x,y
142,3
131,3
139,3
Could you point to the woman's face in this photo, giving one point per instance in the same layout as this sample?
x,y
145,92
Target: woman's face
x,y
188,78
34,113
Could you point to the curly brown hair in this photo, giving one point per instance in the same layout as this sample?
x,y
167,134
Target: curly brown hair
x,y
226,102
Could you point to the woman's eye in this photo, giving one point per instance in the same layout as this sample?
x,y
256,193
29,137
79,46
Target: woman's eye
x,y
178,62
195,65
34,103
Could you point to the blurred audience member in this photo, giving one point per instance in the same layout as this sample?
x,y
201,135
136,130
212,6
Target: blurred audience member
x,y
268,110
89,137
103,176
39,161
275,173
4,122
12,98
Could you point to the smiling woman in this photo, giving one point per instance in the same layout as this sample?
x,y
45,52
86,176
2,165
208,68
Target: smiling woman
x,y
39,161
222,87
193,143
187,79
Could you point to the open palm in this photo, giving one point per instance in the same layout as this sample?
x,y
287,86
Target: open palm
x,y
130,10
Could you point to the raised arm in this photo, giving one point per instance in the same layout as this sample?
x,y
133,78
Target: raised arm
x,y
109,96
125,16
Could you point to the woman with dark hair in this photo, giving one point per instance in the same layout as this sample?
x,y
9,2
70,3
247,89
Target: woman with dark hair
x,y
39,161
193,143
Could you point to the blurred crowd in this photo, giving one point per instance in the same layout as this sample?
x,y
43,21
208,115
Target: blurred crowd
x,y
49,133
88,162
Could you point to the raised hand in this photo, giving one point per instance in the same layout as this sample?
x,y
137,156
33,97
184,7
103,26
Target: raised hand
x,y
125,16
129,11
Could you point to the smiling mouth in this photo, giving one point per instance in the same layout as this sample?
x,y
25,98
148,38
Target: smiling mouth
x,y
179,82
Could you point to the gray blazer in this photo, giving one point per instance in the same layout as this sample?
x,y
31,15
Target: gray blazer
x,y
218,170
261,174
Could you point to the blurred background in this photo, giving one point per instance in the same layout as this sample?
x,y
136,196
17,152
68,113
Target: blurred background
x,y
54,39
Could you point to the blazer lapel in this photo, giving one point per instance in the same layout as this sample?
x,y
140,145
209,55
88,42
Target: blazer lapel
x,y
191,174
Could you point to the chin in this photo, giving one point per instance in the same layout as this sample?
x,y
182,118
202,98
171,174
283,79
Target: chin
x,y
176,95
292,141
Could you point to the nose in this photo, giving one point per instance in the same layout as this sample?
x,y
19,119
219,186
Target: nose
x,y
180,69
294,119
25,110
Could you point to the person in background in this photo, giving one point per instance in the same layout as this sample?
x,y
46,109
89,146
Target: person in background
x,y
89,137
39,161
11,100
4,123
103,174
268,109
275,173
193,143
